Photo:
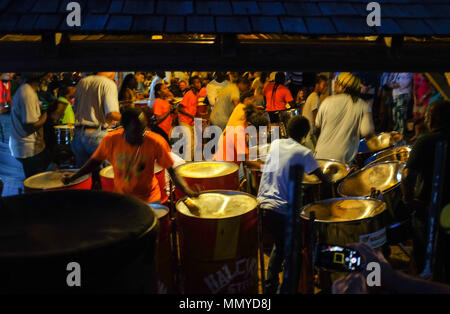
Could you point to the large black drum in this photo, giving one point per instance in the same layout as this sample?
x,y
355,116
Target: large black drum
x,y
111,237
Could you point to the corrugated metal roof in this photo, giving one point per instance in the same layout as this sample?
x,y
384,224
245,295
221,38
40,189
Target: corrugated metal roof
x,y
408,17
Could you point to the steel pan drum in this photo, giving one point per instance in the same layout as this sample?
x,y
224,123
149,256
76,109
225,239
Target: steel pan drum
x,y
107,179
202,108
385,177
51,181
209,175
341,221
219,247
141,103
112,237
64,134
400,154
314,189
165,262
376,143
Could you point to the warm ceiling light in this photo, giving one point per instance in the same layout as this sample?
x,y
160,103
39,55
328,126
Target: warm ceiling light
x,y
157,37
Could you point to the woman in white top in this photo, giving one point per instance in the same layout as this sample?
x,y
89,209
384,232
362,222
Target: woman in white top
x,y
342,120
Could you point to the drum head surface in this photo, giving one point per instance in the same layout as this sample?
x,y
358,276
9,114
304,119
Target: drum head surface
x,y
218,205
159,210
50,180
381,176
70,221
383,141
338,170
392,154
206,169
344,209
107,172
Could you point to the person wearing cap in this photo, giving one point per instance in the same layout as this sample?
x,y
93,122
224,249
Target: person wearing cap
x,y
96,107
26,141
342,120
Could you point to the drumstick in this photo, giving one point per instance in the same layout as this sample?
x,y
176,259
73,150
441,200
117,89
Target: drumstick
x,y
194,209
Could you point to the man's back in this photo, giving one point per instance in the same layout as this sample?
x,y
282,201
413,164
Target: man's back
x,y
274,187
96,96
339,120
25,110
224,105
312,103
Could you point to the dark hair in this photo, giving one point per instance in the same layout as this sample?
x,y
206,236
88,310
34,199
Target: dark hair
x,y
298,127
245,96
280,78
321,78
129,115
161,74
263,77
63,90
221,76
243,80
158,87
257,119
128,82
439,112
192,79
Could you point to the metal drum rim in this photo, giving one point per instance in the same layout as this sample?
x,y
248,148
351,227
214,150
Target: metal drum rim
x,y
344,198
204,162
385,150
222,192
392,133
347,167
339,189
86,176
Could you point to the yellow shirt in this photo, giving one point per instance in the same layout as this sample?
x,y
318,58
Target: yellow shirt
x,y
237,116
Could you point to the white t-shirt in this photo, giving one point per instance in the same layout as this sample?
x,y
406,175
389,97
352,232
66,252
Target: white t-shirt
x,y
274,187
224,105
25,109
213,88
95,98
342,123
405,80
312,103
151,91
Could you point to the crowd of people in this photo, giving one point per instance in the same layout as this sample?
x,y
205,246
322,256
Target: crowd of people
x,y
334,111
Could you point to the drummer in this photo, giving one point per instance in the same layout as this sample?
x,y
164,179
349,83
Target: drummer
x,y
273,194
418,177
278,97
133,152
163,109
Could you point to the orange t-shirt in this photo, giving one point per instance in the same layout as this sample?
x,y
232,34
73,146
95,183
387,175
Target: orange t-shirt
x,y
202,92
160,108
189,104
232,144
134,166
282,97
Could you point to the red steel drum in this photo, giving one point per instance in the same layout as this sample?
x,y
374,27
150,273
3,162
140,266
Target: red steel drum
x,y
165,261
219,247
107,179
209,175
51,181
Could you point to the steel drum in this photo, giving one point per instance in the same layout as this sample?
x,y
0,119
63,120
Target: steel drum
x,y
111,237
341,221
141,103
165,261
209,175
107,180
376,143
219,244
385,177
254,172
313,187
202,108
64,134
400,154
51,181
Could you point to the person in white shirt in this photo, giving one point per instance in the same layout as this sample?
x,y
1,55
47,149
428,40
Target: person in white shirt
x,y
213,88
26,140
226,100
96,107
274,193
402,87
342,120
159,78
311,107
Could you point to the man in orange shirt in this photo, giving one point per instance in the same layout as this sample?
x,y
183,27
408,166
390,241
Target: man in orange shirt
x,y
278,97
132,151
162,108
232,146
188,111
